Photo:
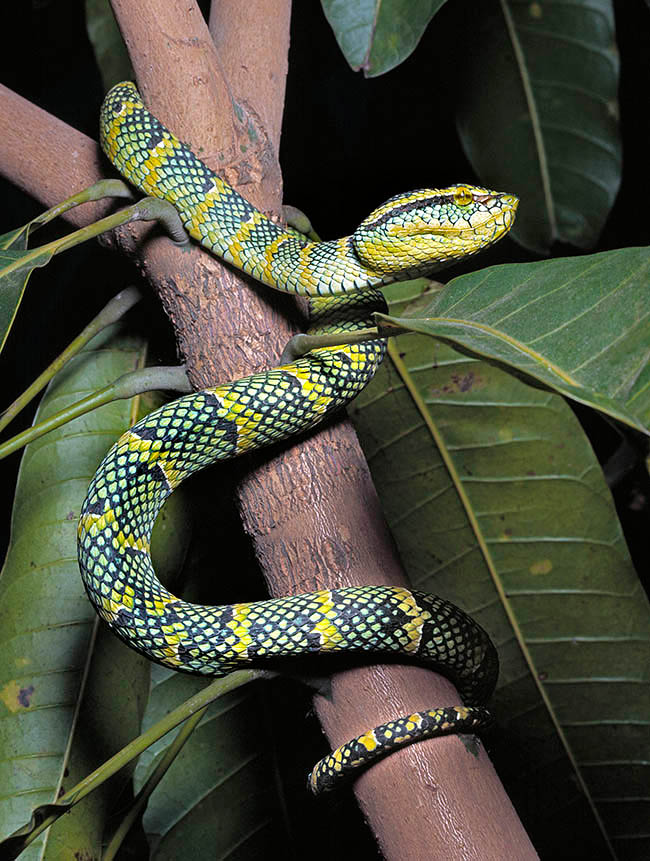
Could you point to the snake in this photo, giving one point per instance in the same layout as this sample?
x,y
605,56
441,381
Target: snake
x,y
412,234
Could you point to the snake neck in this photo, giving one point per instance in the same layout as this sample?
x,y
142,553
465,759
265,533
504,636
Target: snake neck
x,y
216,215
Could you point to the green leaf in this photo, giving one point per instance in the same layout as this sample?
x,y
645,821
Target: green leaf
x,y
497,503
579,325
377,35
219,796
47,624
538,113
16,239
16,266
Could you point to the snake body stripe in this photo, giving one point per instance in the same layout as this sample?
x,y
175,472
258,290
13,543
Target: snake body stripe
x,y
412,233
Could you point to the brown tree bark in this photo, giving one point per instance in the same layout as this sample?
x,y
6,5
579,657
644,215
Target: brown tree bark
x,y
311,510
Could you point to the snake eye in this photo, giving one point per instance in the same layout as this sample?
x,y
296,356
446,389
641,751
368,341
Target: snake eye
x,y
463,196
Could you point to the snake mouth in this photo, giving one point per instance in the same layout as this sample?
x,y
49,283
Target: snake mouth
x,y
502,220
509,201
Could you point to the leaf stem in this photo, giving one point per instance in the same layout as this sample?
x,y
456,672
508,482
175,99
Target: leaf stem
x,y
97,191
113,311
151,783
301,344
126,386
148,209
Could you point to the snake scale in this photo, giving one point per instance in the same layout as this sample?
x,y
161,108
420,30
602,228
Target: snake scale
x,y
412,234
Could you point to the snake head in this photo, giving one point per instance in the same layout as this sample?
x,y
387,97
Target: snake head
x,y
424,230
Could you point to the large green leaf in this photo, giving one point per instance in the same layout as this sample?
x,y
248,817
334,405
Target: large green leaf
x,y
51,661
580,325
497,502
377,35
537,113
219,798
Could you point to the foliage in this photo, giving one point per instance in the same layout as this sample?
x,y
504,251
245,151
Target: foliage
x,y
489,483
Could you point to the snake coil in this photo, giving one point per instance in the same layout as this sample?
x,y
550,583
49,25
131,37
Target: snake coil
x,y
412,234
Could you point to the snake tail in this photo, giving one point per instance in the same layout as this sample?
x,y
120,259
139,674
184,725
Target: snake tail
x,y
360,752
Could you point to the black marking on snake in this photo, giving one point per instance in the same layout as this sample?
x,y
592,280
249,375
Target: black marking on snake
x,y
184,653
146,433
350,247
226,428
127,552
434,200
155,137
123,618
170,615
342,359
157,473
211,400
256,649
96,507
313,641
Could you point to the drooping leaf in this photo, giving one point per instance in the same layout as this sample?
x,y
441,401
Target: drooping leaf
x,y
51,664
538,113
579,325
377,35
497,503
16,265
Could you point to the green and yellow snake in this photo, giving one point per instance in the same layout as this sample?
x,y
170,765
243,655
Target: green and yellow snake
x,y
412,234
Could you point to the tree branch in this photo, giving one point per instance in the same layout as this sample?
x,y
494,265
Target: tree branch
x,y
47,158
